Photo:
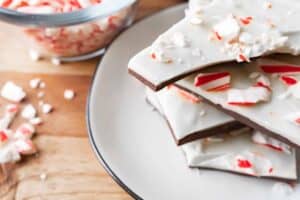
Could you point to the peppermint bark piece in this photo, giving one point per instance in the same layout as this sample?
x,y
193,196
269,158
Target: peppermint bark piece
x,y
242,154
221,31
188,117
258,97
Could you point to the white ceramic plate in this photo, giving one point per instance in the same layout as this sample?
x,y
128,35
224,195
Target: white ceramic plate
x,y
134,143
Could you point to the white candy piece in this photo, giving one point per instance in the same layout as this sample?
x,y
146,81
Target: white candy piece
x,y
228,29
10,113
9,154
28,112
25,147
46,108
36,121
34,83
179,40
34,55
69,94
24,131
42,85
43,176
56,61
251,95
12,92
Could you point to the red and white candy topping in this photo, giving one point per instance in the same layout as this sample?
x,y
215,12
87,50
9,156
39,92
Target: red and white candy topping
x,y
186,95
269,142
24,131
3,137
288,80
281,69
12,92
213,82
25,147
249,96
69,40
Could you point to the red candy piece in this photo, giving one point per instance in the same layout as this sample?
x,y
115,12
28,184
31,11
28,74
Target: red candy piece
x,y
186,95
217,35
280,69
244,163
218,81
246,20
241,103
274,147
288,80
3,136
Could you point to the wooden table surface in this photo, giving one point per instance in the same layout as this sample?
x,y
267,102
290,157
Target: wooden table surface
x,y
65,155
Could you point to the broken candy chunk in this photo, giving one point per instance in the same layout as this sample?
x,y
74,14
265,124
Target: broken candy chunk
x,y
245,165
228,29
3,138
24,131
280,69
218,81
249,96
186,95
288,80
25,147
28,112
263,81
12,92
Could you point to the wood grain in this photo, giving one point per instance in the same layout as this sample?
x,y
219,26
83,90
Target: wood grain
x,y
65,155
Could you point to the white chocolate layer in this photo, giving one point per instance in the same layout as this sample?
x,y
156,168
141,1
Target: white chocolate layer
x,y
269,31
272,115
224,155
186,117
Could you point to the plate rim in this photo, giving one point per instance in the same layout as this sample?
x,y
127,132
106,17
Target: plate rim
x,y
96,150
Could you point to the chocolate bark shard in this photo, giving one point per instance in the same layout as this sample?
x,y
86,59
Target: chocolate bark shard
x,y
188,118
269,117
237,153
230,31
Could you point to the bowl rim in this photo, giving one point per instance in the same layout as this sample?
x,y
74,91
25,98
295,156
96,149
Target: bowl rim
x,y
102,10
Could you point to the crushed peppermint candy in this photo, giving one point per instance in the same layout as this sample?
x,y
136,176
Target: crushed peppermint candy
x,y
213,82
281,69
263,81
36,121
46,108
69,94
42,85
25,147
288,80
159,55
56,61
24,131
10,112
34,55
270,142
28,112
34,83
179,40
227,29
294,118
249,96
43,177
12,92
186,95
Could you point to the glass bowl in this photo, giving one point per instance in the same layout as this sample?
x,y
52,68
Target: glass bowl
x,y
70,34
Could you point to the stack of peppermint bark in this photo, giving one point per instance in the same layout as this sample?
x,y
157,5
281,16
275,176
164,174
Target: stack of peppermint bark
x,y
228,107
